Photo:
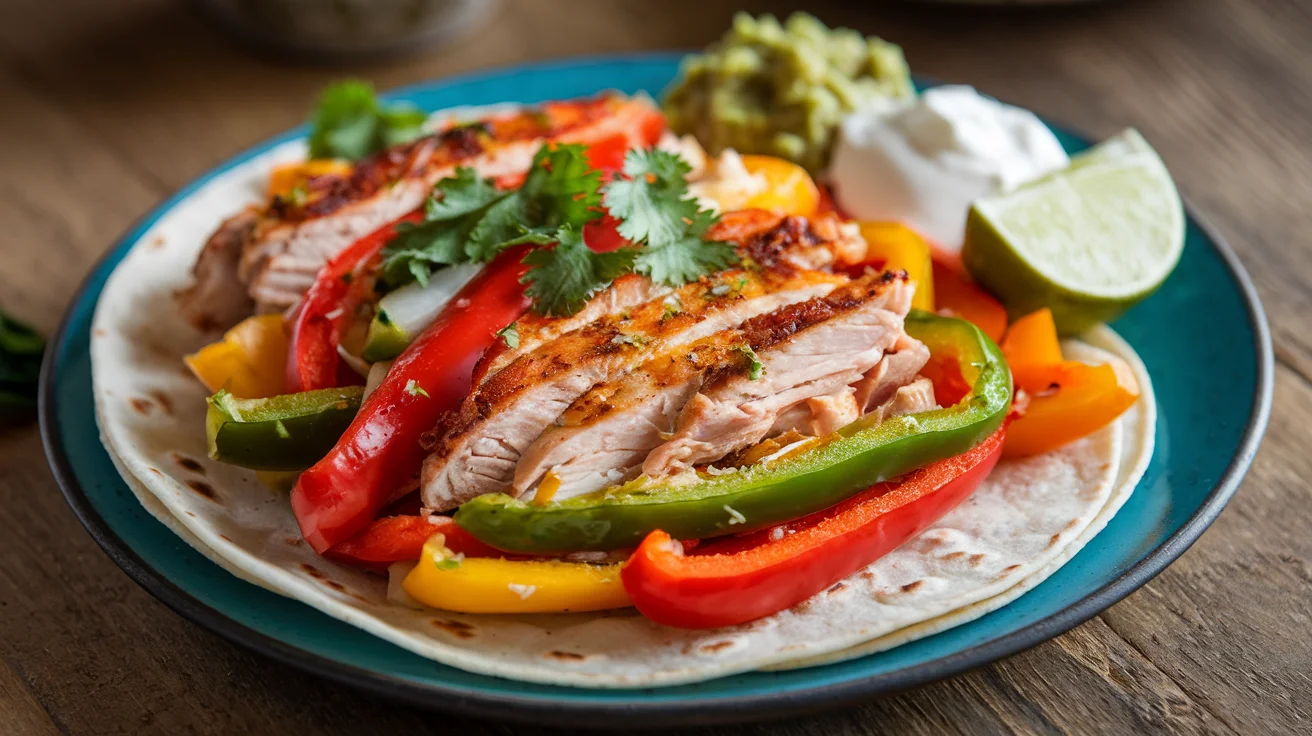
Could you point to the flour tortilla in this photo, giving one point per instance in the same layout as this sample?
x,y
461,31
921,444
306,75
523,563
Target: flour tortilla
x,y
1018,527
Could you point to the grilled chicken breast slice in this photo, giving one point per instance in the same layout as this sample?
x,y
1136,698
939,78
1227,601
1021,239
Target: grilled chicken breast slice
x,y
762,237
477,450
902,364
288,240
823,345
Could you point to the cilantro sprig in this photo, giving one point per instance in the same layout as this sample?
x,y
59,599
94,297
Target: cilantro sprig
x,y
656,211
351,123
470,220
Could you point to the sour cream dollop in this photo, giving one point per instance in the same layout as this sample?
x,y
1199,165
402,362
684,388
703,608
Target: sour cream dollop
x,y
924,163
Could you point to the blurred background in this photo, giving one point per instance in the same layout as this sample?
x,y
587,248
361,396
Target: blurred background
x,y
109,106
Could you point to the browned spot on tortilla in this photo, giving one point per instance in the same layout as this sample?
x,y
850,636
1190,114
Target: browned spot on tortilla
x,y
458,628
1007,569
911,587
294,542
567,656
204,489
976,558
99,332
792,647
802,607
188,513
1054,539
156,242
156,472
837,587
188,463
1073,523
931,540
142,406
163,400
335,585
225,537
715,646
954,555
867,575
312,571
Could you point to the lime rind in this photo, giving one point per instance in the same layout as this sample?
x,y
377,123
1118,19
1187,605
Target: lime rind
x,y
1089,241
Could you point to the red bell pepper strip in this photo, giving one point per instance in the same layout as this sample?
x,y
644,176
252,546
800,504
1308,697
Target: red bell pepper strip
x,y
312,360
401,538
379,455
740,579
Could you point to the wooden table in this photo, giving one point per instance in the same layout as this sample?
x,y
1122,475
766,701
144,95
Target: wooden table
x,y
107,107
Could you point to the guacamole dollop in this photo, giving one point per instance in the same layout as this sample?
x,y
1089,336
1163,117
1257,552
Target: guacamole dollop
x,y
781,88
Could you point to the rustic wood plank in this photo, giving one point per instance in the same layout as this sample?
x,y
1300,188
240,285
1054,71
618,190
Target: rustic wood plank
x,y
20,712
119,103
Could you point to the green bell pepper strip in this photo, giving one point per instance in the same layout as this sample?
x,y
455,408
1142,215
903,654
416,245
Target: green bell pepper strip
x,y
864,453
288,432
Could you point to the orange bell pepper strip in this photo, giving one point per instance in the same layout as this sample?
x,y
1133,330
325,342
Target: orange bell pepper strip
x,y
895,246
248,361
1078,400
1032,349
790,190
955,295
285,178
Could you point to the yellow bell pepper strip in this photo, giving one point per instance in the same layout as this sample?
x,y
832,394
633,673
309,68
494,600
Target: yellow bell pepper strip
x,y
452,582
286,178
288,432
249,362
789,189
1079,399
893,246
864,452
1032,349
955,295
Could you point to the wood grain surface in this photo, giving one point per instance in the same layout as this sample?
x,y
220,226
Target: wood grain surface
x,y
107,107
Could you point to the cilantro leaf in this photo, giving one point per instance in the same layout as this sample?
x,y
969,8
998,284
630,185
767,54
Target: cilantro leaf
x,y
510,334
686,257
418,249
564,277
653,204
461,195
562,188
350,123
755,368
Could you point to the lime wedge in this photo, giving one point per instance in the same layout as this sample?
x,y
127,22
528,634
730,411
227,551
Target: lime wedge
x,y
1089,242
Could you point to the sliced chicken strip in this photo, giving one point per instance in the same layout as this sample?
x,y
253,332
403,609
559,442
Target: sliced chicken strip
x,y
912,398
897,369
338,210
820,415
216,301
477,450
817,358
534,330
606,434
762,237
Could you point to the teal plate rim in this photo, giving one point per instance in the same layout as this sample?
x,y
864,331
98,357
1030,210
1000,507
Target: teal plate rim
x,y
607,709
